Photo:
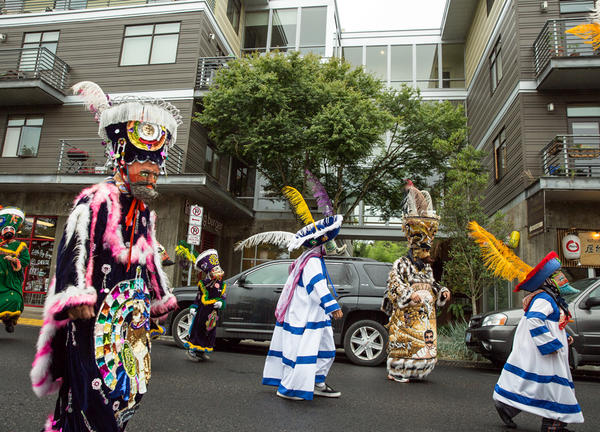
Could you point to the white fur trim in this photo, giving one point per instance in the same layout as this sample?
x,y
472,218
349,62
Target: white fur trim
x,y
162,276
78,224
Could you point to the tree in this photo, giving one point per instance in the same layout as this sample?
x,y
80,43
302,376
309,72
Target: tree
x,y
285,113
466,181
384,251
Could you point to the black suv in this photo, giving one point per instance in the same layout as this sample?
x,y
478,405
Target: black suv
x,y
252,296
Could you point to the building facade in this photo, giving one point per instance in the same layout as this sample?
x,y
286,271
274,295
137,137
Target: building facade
x,y
533,103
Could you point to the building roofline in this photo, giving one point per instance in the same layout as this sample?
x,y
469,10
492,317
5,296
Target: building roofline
x,y
457,18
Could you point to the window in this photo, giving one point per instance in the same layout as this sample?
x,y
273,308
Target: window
x,y
353,55
496,65
32,58
263,253
378,273
150,44
489,4
340,274
427,66
255,31
275,274
453,66
500,155
239,178
283,33
377,61
313,22
22,137
402,65
234,10
211,162
568,6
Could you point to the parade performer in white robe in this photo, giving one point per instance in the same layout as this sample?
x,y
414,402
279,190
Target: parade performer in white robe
x,y
536,377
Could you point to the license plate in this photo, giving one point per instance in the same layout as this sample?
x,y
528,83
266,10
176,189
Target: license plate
x,y
468,337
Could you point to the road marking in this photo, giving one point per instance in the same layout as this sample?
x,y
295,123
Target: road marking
x,y
31,322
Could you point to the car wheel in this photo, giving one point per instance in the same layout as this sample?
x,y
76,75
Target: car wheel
x,y
365,343
181,327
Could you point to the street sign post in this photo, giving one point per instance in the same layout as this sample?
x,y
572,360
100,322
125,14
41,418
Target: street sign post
x,y
195,225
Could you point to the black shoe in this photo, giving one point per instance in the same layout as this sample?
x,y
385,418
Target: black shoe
x,y
326,391
10,327
506,418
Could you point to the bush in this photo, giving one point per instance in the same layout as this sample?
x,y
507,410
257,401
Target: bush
x,y
451,342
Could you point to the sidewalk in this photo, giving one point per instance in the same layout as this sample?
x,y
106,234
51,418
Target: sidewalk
x,y
32,316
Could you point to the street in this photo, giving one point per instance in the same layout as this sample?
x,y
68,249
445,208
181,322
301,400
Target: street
x,y
225,394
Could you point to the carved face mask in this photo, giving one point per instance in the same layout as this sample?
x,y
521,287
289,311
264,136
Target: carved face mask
x,y
11,219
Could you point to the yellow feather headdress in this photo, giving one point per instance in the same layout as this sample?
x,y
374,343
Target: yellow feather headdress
x,y
298,204
497,257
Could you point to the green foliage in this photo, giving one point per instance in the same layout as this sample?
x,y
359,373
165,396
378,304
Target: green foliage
x,y
451,342
284,113
466,181
384,251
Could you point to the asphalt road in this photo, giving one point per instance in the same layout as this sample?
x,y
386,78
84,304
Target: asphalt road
x,y
225,394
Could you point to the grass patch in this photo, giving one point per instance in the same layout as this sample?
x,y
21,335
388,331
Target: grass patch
x,y
451,343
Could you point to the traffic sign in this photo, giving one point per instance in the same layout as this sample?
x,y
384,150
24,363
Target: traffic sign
x,y
196,214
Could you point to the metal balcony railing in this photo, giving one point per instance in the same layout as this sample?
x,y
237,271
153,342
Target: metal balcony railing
x,y
86,156
554,42
207,68
29,6
34,63
572,156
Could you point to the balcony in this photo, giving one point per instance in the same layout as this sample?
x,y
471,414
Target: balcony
x,y
207,69
37,6
572,156
32,76
564,61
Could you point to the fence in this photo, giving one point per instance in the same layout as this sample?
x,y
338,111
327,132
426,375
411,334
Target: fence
x,y
572,156
28,6
207,68
34,63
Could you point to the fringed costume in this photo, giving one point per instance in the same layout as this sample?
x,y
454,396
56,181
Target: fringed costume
x,y
14,257
536,377
109,260
412,296
210,299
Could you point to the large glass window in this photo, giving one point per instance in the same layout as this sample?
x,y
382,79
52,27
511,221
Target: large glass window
x,y
377,61
402,65
211,162
22,137
353,55
313,23
34,59
239,178
500,155
496,70
427,66
234,10
283,33
453,66
255,31
150,44
568,6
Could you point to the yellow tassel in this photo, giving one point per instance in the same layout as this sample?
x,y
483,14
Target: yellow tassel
x,y
588,31
298,204
184,252
498,258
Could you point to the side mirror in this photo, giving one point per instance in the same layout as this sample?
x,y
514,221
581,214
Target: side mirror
x,y
242,280
591,302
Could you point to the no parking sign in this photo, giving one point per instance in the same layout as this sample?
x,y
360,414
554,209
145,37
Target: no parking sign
x,y
195,225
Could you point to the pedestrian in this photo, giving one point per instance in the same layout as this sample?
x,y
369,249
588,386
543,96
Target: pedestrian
x,y
209,300
14,257
536,377
412,295
302,348
94,346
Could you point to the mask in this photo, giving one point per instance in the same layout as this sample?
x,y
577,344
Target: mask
x,y
560,281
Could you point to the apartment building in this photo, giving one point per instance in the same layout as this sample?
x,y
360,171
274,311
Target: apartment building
x,y
165,49
533,107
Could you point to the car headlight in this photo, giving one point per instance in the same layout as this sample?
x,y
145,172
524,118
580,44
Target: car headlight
x,y
494,319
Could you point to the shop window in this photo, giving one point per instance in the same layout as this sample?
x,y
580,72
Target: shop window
x,y
22,137
313,24
496,71
34,59
211,162
283,31
234,10
38,232
150,44
256,28
376,61
427,66
500,155
402,65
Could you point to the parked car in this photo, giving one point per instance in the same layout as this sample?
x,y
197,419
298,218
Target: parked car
x,y
252,296
491,334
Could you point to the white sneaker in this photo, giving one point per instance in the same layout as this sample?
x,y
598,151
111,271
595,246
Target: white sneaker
x,y
288,397
192,355
398,379
326,391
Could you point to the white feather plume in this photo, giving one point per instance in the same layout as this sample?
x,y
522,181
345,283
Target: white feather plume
x,y
429,201
279,238
94,98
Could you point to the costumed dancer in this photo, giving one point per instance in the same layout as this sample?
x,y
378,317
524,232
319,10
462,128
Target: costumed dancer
x,y
536,377
94,346
302,348
14,257
412,295
210,299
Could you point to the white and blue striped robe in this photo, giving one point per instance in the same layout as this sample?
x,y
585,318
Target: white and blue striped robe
x,y
302,348
536,377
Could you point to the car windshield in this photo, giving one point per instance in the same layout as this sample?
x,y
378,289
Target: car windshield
x,y
580,285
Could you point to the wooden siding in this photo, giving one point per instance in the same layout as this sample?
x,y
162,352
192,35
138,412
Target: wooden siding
x,y
481,29
234,39
93,48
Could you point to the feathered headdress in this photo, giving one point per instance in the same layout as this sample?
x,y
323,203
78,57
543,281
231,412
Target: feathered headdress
x,y
298,204
318,191
590,31
417,203
497,257
278,238
182,250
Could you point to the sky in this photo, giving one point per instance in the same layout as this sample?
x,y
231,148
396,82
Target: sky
x,y
368,15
